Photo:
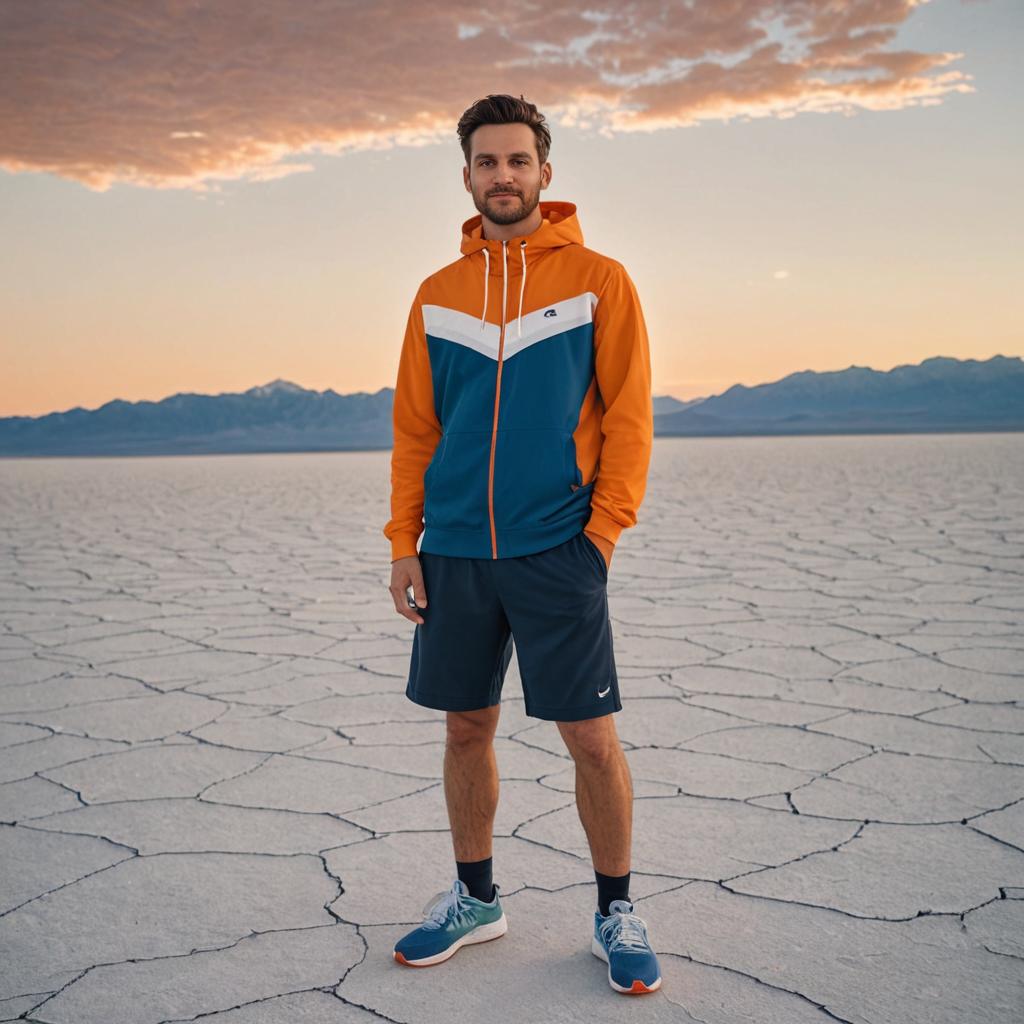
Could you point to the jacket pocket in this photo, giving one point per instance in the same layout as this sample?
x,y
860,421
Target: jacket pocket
x,y
575,473
455,485
534,474
436,459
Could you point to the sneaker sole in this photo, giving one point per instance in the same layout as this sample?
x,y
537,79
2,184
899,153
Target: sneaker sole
x,y
638,988
482,933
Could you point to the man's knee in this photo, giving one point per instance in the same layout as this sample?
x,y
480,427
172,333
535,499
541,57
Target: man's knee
x,y
470,728
593,740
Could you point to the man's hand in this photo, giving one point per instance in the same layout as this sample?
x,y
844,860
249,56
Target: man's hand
x,y
407,572
606,547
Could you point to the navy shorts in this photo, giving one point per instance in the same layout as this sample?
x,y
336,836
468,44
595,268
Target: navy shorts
x,y
553,603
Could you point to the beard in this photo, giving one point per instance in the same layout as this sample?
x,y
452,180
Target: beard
x,y
508,211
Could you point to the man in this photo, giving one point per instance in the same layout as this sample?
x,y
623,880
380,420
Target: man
x,y
523,428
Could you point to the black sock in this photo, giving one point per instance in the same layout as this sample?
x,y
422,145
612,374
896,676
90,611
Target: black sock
x,y
477,876
610,887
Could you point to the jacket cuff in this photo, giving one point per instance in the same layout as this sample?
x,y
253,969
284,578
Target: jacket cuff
x,y
403,545
603,526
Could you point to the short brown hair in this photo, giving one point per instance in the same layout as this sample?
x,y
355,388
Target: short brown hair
x,y
504,109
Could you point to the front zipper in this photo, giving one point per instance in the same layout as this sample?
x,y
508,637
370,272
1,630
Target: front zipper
x,y
497,396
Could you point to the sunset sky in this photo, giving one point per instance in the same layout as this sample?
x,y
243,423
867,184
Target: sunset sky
x,y
204,196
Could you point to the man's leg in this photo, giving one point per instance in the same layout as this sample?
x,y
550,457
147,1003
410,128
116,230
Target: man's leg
x,y
471,791
604,796
604,791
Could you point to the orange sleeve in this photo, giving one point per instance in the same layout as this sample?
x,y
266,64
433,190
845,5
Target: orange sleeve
x,y
623,369
417,431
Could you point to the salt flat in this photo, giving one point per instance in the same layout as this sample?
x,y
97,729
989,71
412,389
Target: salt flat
x,y
217,801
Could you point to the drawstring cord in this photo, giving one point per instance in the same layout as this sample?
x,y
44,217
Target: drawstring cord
x,y
522,287
487,274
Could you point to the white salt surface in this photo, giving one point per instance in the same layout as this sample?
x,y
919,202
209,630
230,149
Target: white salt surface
x,y
218,802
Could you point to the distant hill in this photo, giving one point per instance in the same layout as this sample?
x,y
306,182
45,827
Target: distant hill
x,y
939,394
275,417
666,403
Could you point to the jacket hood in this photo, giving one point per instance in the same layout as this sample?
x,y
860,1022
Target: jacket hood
x,y
559,226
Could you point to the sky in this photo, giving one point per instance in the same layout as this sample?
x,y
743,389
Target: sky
x,y
206,196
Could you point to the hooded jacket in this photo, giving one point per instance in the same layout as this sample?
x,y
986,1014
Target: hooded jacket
x,y
522,409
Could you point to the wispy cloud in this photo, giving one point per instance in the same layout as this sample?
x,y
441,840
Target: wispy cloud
x,y
183,94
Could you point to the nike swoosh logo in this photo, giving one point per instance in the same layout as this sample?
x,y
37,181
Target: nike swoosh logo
x,y
602,693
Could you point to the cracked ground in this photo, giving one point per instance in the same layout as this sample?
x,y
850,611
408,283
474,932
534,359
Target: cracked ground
x,y
217,803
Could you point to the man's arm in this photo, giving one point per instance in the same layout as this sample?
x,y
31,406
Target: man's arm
x,y
417,431
623,369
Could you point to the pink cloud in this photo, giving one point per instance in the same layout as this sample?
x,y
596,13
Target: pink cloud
x,y
183,94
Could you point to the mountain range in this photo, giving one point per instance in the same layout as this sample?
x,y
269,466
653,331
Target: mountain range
x,y
938,394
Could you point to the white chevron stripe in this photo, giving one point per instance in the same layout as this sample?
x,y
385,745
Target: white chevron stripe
x,y
463,329
548,321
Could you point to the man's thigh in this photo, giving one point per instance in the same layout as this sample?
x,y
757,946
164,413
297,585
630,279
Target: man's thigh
x,y
556,602
462,649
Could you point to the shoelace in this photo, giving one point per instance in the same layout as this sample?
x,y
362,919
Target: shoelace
x,y
440,906
627,932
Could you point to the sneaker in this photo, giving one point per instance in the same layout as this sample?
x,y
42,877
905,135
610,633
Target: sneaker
x,y
620,939
453,919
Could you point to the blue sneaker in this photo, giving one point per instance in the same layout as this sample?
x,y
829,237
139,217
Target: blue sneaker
x,y
620,939
453,919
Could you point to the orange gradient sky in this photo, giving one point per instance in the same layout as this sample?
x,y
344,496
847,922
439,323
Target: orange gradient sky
x,y
207,196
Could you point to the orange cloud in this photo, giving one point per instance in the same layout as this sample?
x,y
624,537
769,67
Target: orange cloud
x,y
181,93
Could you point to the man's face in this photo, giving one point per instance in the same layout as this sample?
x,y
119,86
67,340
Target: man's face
x,y
504,160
